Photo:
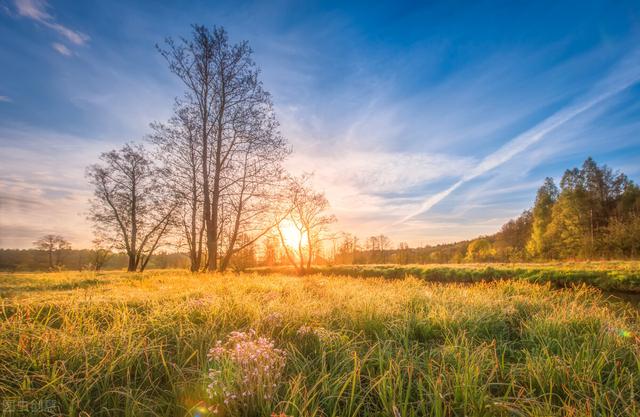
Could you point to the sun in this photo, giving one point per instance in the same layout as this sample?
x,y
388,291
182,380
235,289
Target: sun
x,y
290,234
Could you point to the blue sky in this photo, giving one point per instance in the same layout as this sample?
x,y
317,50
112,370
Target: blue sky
x,y
427,122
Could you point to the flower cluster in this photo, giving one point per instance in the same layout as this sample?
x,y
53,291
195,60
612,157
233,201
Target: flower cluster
x,y
245,372
305,330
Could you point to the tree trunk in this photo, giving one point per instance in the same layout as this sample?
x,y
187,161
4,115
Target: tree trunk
x,y
309,249
215,203
132,262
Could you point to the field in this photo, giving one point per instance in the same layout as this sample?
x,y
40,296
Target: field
x,y
617,276
116,344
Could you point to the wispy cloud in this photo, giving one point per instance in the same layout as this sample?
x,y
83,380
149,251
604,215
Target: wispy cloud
x,y
366,187
625,74
61,49
42,185
37,10
5,99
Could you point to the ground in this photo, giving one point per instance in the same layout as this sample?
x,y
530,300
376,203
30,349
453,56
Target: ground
x,y
117,344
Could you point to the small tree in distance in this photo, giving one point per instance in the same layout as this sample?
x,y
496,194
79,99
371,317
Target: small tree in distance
x,y
100,254
53,245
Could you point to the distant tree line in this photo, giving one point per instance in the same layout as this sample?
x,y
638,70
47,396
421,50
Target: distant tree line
x,y
28,260
594,214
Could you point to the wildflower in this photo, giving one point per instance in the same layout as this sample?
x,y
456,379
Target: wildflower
x,y
246,370
305,330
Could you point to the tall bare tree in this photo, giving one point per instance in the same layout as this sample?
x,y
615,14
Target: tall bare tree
x,y
240,147
54,246
250,187
131,207
179,147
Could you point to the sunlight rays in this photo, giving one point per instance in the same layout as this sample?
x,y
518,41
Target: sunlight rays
x,y
292,236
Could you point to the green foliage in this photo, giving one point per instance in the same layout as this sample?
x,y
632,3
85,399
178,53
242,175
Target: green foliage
x,y
479,250
137,345
538,245
24,260
594,208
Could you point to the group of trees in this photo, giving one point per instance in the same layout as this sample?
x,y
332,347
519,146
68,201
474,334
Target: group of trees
x,y
53,252
213,182
595,213
55,247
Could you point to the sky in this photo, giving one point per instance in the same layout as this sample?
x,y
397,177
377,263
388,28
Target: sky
x,y
429,122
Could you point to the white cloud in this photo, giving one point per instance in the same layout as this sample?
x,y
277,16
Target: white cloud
x,y
37,10
34,9
61,49
380,172
624,75
5,99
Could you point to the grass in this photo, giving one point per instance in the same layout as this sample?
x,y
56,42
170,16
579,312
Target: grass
x,y
118,344
622,276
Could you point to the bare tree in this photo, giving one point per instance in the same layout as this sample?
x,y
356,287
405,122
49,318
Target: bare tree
x,y
179,147
131,207
240,147
54,246
307,217
347,249
376,247
251,185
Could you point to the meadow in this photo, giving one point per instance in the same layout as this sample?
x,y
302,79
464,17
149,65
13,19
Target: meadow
x,y
611,276
171,343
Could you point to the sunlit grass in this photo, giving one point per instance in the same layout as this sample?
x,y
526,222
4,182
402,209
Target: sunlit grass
x,y
116,344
